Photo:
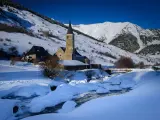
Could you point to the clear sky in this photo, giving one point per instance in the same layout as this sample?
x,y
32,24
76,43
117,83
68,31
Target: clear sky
x,y
145,13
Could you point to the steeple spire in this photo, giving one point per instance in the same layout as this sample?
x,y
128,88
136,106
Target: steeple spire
x,y
70,30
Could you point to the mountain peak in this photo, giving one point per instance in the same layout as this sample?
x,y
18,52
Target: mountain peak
x,y
109,30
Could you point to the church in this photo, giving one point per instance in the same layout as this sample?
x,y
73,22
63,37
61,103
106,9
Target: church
x,y
69,52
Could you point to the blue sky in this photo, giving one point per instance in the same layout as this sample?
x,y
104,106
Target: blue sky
x,y
145,13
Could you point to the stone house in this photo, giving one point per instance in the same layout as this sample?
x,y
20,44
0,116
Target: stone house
x,y
36,53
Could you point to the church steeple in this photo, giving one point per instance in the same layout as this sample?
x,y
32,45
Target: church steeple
x,y
70,30
69,43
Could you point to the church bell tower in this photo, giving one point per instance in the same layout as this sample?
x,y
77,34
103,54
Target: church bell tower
x,y
70,42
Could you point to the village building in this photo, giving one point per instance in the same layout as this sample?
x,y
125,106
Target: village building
x,y
69,58
72,65
69,52
36,54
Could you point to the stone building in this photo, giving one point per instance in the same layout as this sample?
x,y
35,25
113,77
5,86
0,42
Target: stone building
x,y
36,53
69,52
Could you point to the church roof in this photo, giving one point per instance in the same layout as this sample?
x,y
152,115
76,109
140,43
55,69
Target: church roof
x,y
38,50
71,62
63,48
75,51
70,30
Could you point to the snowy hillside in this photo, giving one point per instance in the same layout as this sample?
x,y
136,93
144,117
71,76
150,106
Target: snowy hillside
x,y
35,30
125,35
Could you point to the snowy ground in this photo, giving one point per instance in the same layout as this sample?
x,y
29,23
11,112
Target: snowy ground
x,y
24,85
142,103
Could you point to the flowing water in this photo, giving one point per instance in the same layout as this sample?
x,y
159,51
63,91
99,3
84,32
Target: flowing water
x,y
80,99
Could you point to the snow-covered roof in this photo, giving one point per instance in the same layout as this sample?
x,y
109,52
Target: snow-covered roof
x,y
71,62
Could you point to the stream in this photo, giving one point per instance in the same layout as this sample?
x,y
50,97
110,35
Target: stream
x,y
79,99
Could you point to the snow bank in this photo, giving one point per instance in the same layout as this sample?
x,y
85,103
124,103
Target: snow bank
x,y
102,90
63,93
19,66
142,103
19,71
82,75
25,91
7,108
71,62
67,107
125,80
77,76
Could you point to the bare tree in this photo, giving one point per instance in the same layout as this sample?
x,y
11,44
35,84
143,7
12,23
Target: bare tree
x,y
124,62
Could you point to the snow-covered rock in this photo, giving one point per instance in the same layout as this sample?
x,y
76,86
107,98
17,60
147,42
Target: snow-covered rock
x,y
6,108
62,93
67,107
102,90
25,91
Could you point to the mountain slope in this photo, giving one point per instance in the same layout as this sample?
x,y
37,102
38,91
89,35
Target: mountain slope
x,y
28,29
127,36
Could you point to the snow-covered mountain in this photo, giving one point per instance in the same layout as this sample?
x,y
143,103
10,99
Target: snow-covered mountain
x,y
23,28
125,35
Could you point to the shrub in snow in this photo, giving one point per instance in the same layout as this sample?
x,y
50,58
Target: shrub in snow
x,y
49,67
156,68
89,75
13,51
51,62
50,73
140,65
9,40
3,54
125,62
